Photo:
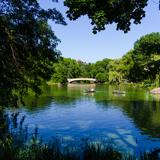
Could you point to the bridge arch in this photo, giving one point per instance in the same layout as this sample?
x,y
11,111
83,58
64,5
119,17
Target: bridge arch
x,y
70,80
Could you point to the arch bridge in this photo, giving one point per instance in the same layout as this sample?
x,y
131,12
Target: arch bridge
x,y
70,80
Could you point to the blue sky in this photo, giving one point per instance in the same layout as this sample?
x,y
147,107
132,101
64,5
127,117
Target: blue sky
x,y
78,42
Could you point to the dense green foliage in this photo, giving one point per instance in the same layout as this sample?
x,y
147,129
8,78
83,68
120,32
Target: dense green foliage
x,y
65,68
147,57
69,68
28,55
27,47
141,64
104,12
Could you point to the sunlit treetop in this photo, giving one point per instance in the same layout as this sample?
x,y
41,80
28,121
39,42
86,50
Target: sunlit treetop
x,y
148,44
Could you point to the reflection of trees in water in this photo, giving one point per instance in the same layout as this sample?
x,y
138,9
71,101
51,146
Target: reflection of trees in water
x,y
61,95
156,97
33,103
68,94
38,103
146,114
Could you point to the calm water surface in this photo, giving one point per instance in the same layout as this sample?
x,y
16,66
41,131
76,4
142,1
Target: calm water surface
x,y
130,121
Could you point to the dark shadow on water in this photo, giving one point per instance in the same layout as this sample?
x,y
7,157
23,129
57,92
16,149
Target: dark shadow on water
x,y
145,114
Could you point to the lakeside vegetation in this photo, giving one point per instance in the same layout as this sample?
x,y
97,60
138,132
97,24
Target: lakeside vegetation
x,y
39,151
29,58
140,65
28,46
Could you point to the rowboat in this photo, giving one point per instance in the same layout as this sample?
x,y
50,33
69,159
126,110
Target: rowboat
x,y
89,90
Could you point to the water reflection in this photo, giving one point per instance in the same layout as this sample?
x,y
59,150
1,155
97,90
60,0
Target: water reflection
x,y
156,97
131,120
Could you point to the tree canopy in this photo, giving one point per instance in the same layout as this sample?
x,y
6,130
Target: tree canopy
x,y
27,47
146,56
104,12
28,44
70,68
140,64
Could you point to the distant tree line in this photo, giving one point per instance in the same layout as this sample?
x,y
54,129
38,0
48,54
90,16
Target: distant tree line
x,y
28,44
141,64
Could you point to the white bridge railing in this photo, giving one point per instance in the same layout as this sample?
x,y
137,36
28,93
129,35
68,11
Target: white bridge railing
x,y
80,79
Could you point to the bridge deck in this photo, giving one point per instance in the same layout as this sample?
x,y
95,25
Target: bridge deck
x,y
80,79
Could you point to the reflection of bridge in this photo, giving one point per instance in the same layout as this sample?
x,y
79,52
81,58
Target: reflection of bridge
x,y
81,79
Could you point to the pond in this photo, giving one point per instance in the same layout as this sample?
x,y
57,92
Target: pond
x,y
131,121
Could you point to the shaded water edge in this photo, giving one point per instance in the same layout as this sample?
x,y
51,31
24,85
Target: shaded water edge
x,y
16,143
